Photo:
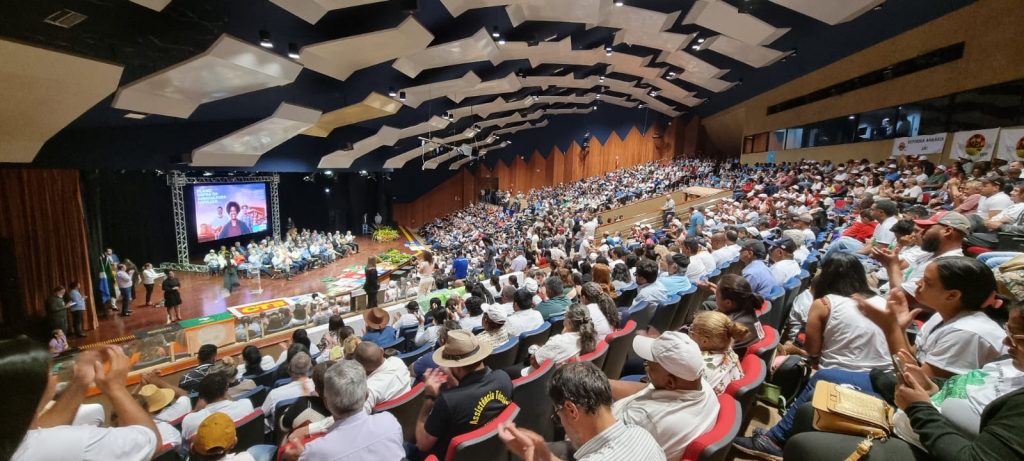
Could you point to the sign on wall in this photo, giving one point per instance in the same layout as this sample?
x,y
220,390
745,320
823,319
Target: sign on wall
x,y
974,145
919,145
771,157
1011,144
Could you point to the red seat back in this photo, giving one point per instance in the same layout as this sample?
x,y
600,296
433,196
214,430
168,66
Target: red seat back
x,y
620,342
745,389
405,409
765,347
714,444
598,355
482,443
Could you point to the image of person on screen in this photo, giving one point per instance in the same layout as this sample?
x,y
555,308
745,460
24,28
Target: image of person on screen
x,y
219,221
234,227
246,217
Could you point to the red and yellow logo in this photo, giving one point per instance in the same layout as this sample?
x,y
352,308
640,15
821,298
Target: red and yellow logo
x,y
257,308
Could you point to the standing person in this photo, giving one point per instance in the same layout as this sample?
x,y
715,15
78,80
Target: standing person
x,y
77,308
124,285
696,227
231,280
426,271
172,297
57,309
133,270
489,254
371,286
149,276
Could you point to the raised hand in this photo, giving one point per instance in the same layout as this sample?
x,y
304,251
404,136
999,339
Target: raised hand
x,y
433,380
117,374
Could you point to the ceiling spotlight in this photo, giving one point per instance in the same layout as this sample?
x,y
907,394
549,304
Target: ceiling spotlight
x,y
619,3
653,93
207,173
594,107
495,33
598,96
601,78
793,53
671,74
852,117
878,8
641,106
695,47
327,190
328,172
501,41
401,96
265,41
477,128
391,92
536,98
293,51
700,40
607,51
447,115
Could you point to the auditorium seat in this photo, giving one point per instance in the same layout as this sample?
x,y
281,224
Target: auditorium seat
x,y
714,445
393,344
408,334
279,409
537,336
483,443
405,409
664,313
626,296
746,389
620,343
255,395
762,312
282,382
265,379
641,313
765,347
167,452
530,393
777,298
249,430
685,310
504,356
556,324
410,357
598,355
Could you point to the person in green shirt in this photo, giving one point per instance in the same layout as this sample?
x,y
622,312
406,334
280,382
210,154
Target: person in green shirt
x,y
554,305
57,309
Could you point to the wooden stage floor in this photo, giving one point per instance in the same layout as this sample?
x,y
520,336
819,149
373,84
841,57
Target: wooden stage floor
x,y
203,294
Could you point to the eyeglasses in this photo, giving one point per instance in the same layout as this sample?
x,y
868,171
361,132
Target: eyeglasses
x,y
555,409
1013,340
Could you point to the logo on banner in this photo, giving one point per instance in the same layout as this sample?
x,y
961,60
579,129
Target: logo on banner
x,y
258,308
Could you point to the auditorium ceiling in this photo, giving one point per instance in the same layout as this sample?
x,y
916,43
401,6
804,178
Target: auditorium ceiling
x,y
295,85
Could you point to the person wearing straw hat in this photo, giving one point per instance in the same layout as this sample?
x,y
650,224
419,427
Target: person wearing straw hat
x,y
167,401
215,439
472,395
378,328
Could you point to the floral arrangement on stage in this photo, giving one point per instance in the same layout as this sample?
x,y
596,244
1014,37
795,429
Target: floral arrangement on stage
x,y
385,234
394,257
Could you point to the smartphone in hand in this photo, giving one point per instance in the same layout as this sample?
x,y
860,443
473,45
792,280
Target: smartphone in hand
x,y
897,364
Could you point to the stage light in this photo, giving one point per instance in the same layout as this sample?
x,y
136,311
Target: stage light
x,y
601,78
598,96
501,41
328,172
594,107
671,74
619,3
640,106
207,173
700,40
695,47
495,33
401,96
391,92
265,41
293,51
607,51
327,190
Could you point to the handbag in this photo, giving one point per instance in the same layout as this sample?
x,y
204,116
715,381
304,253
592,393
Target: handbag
x,y
844,410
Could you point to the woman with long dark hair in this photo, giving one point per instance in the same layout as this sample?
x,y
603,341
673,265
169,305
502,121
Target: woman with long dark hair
x,y
172,297
371,286
736,298
603,311
578,337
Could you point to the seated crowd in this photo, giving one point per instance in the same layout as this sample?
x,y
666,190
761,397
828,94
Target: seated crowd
x,y
884,248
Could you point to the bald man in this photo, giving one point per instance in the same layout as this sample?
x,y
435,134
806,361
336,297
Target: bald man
x,y
386,378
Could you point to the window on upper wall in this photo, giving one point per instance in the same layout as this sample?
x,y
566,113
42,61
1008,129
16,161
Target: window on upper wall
x,y
880,124
988,107
829,132
777,140
795,138
930,116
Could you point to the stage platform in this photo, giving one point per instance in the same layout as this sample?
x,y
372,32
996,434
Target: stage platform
x,y
204,295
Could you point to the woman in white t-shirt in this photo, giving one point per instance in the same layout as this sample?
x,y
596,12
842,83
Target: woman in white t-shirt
x,y
578,337
426,272
603,312
838,335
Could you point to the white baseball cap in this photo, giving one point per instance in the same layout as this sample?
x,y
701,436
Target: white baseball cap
x,y
530,285
674,351
495,312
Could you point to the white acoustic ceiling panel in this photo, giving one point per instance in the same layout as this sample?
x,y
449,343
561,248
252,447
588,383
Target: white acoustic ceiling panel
x,y
416,95
229,68
629,17
42,92
478,47
671,90
585,99
665,41
833,12
506,84
386,136
571,111
624,102
244,147
726,19
516,117
751,55
713,84
483,151
436,161
581,11
486,109
565,81
692,64
400,160
527,126
658,105
342,57
155,5
457,7
543,52
312,10
631,65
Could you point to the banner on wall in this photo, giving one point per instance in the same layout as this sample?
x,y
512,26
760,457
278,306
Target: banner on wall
x,y
974,145
771,157
919,145
1011,144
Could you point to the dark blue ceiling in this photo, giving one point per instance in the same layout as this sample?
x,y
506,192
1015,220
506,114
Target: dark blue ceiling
x,y
145,41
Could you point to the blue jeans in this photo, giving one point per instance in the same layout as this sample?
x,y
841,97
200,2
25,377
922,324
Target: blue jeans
x,y
994,259
843,245
862,380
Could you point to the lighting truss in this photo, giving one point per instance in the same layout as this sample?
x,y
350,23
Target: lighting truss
x,y
177,180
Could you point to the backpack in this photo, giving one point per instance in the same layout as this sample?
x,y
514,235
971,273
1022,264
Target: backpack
x,y
786,382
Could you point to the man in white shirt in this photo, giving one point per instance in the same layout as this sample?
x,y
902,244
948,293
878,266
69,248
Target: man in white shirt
x,y
650,290
1011,213
994,199
943,235
298,369
724,247
783,266
519,263
675,404
525,318
386,377
213,398
884,211
52,436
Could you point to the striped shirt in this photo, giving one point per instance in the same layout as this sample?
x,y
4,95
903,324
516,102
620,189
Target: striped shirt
x,y
620,442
